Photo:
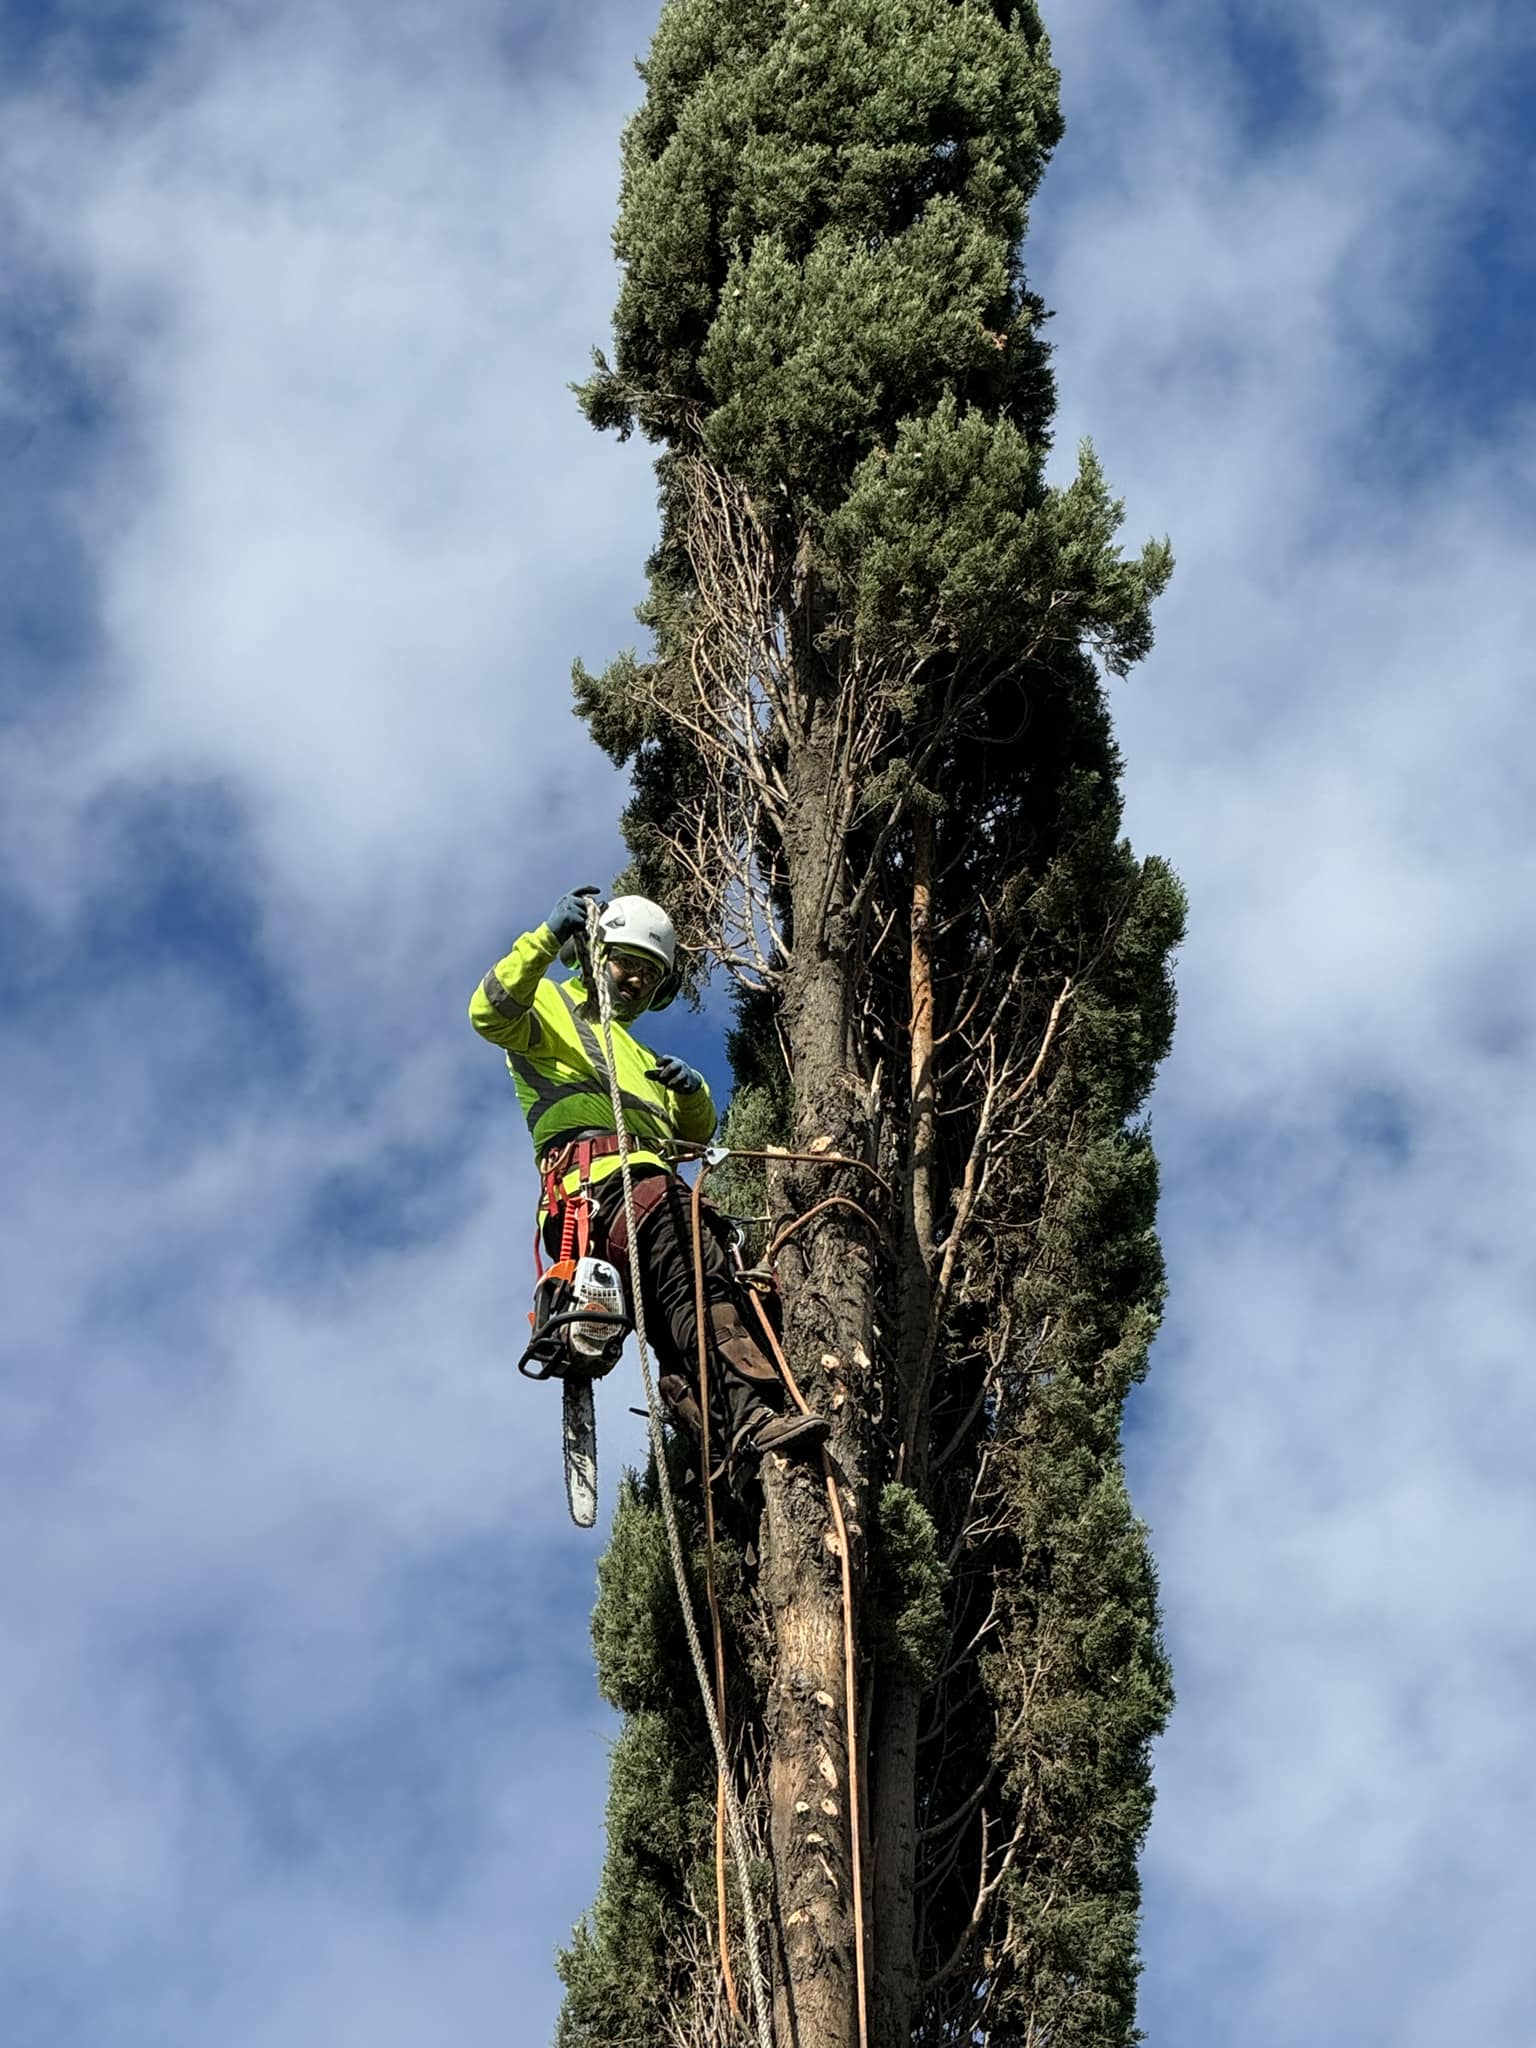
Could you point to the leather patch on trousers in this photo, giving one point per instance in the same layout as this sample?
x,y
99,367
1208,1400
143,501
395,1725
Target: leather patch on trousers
x,y
650,1191
735,1345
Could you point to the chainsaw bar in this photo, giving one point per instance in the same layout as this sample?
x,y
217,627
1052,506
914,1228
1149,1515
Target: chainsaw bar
x,y
578,1422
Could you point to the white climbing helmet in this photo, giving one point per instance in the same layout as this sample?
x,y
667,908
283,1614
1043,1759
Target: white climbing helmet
x,y
636,925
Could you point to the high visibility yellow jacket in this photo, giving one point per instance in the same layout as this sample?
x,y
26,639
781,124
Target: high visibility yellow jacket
x,y
555,1056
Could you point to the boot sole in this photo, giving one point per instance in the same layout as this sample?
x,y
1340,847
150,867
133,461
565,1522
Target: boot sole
x,y
801,1433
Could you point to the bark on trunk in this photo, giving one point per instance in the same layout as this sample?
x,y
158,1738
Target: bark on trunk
x,y
815,2001
827,1285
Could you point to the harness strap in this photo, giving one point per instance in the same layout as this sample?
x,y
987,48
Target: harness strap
x,y
569,1155
574,1156
573,1211
649,1192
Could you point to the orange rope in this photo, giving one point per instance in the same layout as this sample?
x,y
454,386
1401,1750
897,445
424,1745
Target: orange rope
x,y
828,1202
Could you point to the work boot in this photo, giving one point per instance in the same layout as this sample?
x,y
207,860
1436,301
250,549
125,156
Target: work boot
x,y
791,1435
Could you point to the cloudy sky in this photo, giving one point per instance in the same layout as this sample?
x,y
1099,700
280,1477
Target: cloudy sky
x,y
299,531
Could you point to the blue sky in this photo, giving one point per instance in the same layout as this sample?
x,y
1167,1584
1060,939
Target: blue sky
x,y
299,531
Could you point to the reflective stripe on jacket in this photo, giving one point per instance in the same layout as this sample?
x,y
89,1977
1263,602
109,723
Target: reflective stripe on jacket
x,y
555,1055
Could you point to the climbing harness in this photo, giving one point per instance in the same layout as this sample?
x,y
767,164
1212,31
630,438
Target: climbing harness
x,y
578,1326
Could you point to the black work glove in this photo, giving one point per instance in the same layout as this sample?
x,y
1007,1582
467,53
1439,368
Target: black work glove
x,y
676,1074
569,915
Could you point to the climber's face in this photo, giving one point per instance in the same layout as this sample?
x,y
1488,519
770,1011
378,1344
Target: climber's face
x,y
633,979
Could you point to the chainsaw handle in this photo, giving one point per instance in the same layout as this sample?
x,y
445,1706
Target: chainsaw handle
x,y
560,1322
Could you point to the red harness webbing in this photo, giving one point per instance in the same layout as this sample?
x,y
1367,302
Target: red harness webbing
x,y
574,1211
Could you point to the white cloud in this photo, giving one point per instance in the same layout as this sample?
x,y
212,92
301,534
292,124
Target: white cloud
x,y
336,292
303,1734
1333,743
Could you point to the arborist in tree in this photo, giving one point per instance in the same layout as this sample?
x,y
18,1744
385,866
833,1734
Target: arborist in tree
x,y
550,1034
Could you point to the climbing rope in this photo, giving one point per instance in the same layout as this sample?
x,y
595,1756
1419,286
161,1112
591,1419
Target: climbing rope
x,y
763,2012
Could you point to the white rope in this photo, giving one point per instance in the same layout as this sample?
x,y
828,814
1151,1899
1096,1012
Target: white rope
x,y
763,2012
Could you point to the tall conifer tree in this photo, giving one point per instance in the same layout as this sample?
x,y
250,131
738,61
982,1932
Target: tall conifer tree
x,y
874,780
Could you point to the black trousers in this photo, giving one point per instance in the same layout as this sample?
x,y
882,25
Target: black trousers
x,y
743,1379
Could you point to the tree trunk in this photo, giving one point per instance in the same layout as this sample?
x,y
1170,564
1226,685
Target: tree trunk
x,y
828,1307
815,2002
894,1830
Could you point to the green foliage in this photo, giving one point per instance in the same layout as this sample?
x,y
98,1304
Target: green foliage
x,y
819,212
627,1967
612,707
952,543
1075,1678
1082,1679
637,1628
910,1578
